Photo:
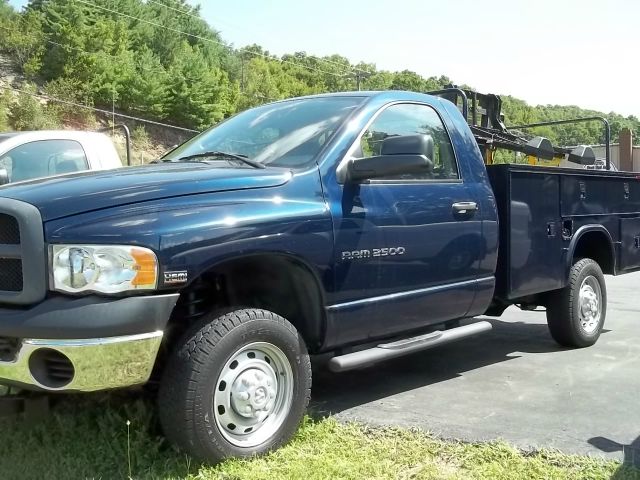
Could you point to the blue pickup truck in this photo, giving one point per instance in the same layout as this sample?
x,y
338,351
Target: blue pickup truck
x,y
360,225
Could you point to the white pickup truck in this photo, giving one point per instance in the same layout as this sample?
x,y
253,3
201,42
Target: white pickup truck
x,y
30,155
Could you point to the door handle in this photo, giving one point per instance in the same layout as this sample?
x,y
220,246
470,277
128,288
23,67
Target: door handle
x,y
464,208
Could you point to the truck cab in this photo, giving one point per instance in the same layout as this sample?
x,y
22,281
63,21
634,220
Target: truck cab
x,y
406,243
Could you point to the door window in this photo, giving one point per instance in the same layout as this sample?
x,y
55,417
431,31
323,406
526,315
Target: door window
x,y
412,119
43,158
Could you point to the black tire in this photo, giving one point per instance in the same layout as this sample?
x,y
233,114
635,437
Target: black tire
x,y
563,307
191,381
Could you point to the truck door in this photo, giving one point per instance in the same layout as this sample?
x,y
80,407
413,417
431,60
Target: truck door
x,y
407,247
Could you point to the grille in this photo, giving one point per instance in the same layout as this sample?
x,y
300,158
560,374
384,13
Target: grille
x,y
59,368
23,277
11,275
9,230
51,368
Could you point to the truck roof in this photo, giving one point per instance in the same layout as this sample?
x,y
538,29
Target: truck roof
x,y
35,135
6,136
392,94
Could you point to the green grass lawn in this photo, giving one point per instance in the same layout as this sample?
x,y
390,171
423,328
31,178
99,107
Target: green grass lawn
x,y
86,437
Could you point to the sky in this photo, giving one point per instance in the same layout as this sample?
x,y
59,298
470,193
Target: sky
x,y
566,52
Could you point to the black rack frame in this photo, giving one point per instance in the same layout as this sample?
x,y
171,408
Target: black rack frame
x,y
491,119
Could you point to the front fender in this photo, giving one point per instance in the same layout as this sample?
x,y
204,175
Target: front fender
x,y
194,233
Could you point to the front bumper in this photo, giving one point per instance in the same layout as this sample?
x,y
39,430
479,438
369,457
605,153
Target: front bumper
x,y
82,365
62,317
83,344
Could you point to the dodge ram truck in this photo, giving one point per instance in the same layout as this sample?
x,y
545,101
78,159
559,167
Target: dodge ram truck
x,y
364,226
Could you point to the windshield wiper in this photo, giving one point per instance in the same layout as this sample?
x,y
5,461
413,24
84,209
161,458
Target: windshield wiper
x,y
231,156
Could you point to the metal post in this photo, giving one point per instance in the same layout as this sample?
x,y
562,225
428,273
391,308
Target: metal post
x,y
127,138
607,143
113,110
359,76
459,93
474,106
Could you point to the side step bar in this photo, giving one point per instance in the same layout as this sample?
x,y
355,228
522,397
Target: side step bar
x,y
387,351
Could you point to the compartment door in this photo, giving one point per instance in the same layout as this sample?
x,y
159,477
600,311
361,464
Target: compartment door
x,y
535,247
630,248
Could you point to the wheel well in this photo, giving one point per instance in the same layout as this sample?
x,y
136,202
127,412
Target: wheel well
x,y
597,246
278,283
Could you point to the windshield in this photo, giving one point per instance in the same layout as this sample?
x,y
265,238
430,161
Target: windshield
x,y
285,134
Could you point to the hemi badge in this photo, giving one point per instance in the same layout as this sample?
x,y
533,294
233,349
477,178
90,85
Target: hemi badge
x,y
173,278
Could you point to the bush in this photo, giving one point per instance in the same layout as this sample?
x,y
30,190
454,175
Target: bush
x,y
140,138
4,111
31,113
141,143
75,92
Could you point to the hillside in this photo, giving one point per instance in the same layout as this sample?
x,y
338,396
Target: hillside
x,y
161,61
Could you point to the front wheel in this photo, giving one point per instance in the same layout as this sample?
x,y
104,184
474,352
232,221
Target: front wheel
x,y
576,313
238,385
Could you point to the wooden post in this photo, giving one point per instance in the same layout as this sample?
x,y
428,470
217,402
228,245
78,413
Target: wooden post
x,y
626,150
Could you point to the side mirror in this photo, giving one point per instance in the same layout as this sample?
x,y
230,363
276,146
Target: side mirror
x,y
399,155
408,145
4,176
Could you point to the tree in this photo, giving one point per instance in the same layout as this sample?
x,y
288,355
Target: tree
x,y
147,89
22,39
408,80
161,60
75,92
199,95
260,83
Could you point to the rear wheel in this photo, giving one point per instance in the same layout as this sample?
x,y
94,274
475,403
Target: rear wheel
x,y
238,385
576,313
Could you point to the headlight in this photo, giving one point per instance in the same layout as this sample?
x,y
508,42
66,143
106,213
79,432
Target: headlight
x,y
102,268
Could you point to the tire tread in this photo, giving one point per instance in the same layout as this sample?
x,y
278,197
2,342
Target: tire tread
x,y
561,303
178,389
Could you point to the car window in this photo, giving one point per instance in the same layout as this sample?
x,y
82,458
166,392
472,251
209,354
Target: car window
x,y
411,119
43,158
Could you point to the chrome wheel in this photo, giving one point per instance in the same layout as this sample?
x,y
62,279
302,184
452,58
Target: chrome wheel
x,y
253,394
590,305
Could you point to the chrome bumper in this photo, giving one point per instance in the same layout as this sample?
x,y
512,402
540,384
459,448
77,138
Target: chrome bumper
x,y
82,365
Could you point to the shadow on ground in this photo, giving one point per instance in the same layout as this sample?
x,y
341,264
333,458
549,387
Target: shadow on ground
x,y
334,393
631,454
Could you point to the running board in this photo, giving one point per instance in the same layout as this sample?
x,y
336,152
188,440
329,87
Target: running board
x,y
387,351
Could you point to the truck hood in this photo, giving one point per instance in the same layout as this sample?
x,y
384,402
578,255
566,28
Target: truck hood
x,y
63,196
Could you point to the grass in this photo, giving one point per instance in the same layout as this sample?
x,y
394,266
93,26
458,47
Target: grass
x,y
87,438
